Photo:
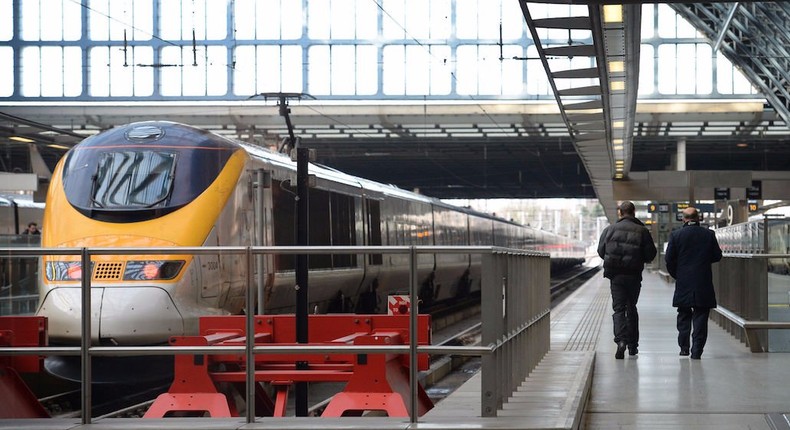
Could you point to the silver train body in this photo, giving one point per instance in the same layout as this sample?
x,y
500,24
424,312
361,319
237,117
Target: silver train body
x,y
764,236
161,184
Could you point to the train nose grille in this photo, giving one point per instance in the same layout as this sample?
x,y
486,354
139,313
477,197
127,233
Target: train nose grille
x,y
108,271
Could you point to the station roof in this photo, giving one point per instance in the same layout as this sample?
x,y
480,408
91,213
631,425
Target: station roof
x,y
498,149
448,150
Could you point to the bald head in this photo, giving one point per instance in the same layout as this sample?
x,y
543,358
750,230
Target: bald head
x,y
626,208
690,214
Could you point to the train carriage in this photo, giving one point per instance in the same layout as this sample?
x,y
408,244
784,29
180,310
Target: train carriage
x,y
162,184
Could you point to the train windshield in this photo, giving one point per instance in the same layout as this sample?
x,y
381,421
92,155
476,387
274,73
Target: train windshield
x,y
133,179
143,171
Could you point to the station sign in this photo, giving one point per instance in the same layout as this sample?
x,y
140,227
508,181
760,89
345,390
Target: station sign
x,y
755,192
701,207
753,206
657,207
398,304
704,208
721,193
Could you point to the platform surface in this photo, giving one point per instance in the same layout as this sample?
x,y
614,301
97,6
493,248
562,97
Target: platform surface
x,y
729,388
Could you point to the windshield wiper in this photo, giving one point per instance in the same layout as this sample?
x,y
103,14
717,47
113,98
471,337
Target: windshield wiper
x,y
93,191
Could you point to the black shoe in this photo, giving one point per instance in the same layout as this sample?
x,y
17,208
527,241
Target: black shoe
x,y
684,352
696,355
620,354
633,350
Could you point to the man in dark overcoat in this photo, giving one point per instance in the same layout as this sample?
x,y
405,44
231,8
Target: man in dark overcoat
x,y
625,247
691,251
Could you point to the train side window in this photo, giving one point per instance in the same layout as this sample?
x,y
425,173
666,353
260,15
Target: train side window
x,y
320,227
284,218
374,229
343,232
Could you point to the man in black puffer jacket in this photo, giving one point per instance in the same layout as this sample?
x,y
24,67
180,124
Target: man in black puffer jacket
x,y
625,247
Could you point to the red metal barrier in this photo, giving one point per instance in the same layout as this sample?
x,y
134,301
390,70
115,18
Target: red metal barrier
x,y
18,401
375,381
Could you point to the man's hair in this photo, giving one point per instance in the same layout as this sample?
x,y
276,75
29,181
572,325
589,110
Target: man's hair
x,y
627,208
691,214
30,224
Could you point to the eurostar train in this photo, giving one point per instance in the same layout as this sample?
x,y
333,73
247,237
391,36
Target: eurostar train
x,y
163,184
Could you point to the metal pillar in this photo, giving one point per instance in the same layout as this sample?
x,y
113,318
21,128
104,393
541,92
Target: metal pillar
x,y
302,233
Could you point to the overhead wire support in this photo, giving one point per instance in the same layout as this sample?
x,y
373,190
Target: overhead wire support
x,y
285,111
302,236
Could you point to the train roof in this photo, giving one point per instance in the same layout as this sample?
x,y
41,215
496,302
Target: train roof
x,y
153,130
328,173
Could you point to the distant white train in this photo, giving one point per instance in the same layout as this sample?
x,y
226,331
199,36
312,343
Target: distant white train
x,y
16,213
764,236
162,184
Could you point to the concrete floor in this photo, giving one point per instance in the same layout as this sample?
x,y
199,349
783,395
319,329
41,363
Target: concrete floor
x,y
730,388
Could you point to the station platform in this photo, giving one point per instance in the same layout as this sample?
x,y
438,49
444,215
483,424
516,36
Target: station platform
x,y
729,388
579,383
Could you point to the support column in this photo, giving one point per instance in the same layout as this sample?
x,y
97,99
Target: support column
x,y
681,167
681,155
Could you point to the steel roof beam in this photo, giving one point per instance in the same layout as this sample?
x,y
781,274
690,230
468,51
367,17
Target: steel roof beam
x,y
755,40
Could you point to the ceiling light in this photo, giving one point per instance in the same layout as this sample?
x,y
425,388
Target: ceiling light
x,y
618,124
618,147
617,141
618,176
619,168
742,145
619,162
21,139
616,66
617,85
612,13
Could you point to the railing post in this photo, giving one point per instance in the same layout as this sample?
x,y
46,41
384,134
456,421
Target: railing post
x,y
85,344
491,308
249,351
741,284
413,313
755,298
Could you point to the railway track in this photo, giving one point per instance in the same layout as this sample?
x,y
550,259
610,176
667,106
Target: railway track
x,y
108,401
568,281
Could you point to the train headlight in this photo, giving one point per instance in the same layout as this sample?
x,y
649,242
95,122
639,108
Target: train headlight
x,y
150,270
64,270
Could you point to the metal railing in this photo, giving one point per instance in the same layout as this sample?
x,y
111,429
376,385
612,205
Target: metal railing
x,y
742,289
18,276
515,309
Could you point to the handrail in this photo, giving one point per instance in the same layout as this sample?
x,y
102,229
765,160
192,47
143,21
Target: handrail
x,y
743,288
285,250
87,351
747,255
751,325
127,351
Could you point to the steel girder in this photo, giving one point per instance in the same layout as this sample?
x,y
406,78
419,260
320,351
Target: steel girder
x,y
755,39
599,115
